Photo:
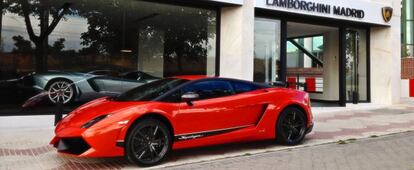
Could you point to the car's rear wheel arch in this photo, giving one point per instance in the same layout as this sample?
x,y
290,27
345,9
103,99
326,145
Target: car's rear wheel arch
x,y
55,80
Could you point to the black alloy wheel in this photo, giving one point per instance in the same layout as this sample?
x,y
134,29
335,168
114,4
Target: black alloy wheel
x,y
291,126
149,143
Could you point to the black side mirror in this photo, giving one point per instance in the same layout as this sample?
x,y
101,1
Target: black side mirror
x,y
189,97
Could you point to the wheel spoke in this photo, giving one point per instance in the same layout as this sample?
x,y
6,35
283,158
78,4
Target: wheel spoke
x,y
155,131
290,135
152,152
158,143
142,154
295,131
298,124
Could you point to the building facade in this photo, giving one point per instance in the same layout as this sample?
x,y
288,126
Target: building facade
x,y
339,52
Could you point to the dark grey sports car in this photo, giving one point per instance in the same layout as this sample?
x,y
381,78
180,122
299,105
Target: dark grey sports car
x,y
74,86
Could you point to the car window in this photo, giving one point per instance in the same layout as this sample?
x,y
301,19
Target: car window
x,y
242,87
209,89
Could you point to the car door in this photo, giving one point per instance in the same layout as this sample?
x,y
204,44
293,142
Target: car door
x,y
250,101
218,108
109,85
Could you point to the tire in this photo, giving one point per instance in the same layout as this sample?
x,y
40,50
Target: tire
x,y
291,126
61,90
148,143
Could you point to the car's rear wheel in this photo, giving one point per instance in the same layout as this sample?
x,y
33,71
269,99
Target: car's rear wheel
x,y
61,91
148,143
291,126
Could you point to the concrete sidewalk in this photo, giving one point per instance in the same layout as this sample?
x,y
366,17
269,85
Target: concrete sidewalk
x,y
24,139
381,153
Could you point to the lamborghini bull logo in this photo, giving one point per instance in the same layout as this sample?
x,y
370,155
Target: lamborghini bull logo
x,y
387,13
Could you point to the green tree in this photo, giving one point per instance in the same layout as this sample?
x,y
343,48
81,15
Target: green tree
x,y
22,46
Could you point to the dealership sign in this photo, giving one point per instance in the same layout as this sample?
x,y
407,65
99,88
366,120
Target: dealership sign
x,y
317,7
352,10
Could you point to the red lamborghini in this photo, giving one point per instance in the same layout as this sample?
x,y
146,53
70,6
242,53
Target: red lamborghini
x,y
146,123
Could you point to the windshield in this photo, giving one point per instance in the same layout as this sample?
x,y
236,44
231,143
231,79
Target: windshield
x,y
150,91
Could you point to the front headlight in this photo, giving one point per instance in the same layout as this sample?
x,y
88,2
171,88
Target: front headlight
x,y
94,121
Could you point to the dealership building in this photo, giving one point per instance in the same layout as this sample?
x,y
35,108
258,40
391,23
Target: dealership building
x,y
339,51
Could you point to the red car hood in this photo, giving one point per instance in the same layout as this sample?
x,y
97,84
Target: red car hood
x,y
93,109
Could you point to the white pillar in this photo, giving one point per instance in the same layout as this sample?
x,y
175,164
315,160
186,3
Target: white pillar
x,y
237,41
386,60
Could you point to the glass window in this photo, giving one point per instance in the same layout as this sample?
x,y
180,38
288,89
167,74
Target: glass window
x,y
106,37
297,58
409,7
305,56
409,33
407,28
242,87
210,89
408,50
266,50
151,90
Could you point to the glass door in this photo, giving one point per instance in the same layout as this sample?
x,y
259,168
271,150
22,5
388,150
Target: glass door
x,y
356,65
266,50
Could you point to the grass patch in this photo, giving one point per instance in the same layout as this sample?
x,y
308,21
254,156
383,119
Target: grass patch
x,y
247,154
373,136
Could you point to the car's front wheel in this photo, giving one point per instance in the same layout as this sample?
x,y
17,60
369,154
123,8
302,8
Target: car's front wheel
x,y
61,91
291,126
148,143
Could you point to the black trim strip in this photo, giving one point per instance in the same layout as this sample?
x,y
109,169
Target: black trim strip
x,y
342,66
191,136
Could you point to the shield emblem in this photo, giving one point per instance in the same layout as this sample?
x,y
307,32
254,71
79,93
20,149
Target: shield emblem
x,y
387,14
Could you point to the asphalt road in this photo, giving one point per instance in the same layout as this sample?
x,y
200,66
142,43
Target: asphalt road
x,y
387,152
